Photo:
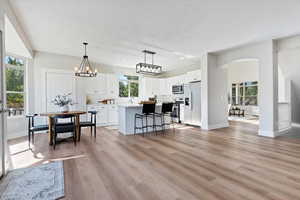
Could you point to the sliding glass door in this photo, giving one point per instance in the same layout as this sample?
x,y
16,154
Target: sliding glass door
x,y
2,110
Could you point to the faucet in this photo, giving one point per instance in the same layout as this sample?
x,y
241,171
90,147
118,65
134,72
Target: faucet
x,y
131,100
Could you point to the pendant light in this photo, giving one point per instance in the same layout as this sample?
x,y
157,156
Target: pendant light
x,y
146,68
85,69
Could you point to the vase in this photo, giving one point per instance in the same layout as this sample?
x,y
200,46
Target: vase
x,y
64,108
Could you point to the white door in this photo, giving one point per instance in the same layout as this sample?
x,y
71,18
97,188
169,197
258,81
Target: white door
x,y
58,83
2,113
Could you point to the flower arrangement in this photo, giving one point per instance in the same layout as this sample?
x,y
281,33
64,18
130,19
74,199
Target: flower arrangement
x,y
63,100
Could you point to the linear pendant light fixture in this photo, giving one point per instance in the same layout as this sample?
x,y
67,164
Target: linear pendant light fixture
x,y
85,69
148,69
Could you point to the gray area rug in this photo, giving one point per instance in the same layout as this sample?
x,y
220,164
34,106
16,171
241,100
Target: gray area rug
x,y
43,182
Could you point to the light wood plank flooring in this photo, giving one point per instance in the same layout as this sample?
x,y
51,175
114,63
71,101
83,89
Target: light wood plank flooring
x,y
230,164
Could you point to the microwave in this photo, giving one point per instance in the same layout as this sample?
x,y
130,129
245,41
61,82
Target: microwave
x,y
177,89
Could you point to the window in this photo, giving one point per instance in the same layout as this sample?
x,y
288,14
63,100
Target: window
x,y
247,93
234,94
250,93
128,86
15,85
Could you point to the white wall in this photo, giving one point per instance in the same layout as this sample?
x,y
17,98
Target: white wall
x,y
265,52
289,62
242,71
213,94
15,126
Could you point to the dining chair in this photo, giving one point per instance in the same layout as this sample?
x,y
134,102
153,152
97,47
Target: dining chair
x,y
32,127
92,123
65,127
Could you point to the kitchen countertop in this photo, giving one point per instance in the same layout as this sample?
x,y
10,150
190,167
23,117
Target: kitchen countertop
x,y
133,105
101,104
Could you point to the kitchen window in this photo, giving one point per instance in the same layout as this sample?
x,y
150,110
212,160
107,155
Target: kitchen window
x,y
128,86
247,93
15,71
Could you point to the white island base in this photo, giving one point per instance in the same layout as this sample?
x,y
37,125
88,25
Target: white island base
x,y
126,119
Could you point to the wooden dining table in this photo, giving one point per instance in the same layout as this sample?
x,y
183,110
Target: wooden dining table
x,y
50,122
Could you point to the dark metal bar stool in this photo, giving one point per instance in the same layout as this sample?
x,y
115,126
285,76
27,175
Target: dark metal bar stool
x,y
32,127
148,111
166,111
92,123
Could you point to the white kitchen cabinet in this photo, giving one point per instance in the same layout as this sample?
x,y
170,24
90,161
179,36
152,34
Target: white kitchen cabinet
x,y
155,86
113,114
112,86
106,114
168,87
102,115
163,86
193,76
96,85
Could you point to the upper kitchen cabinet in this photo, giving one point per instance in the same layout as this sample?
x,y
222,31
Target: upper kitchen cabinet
x,y
193,76
112,86
97,85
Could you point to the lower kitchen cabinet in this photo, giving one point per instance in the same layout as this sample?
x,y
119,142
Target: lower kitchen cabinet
x,y
113,115
106,114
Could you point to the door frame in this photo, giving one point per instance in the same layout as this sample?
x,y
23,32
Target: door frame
x,y
3,107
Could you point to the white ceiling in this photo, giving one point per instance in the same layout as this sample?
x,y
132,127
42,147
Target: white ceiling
x,y
178,30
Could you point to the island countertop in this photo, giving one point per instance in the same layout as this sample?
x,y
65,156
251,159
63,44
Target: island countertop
x,y
134,105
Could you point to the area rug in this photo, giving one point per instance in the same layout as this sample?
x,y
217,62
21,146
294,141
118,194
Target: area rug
x,y
43,182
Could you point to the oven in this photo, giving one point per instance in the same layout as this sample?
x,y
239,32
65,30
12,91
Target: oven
x,y
177,89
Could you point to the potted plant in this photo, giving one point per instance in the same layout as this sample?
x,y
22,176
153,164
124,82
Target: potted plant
x,y
63,101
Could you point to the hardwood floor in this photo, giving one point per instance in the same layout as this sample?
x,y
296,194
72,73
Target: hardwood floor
x,y
230,163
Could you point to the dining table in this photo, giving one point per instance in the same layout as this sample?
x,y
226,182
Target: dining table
x,y
50,121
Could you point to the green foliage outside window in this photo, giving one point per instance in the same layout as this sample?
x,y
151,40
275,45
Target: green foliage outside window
x,y
134,89
14,82
123,89
128,86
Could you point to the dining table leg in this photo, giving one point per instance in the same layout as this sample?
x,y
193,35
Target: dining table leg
x,y
50,131
77,124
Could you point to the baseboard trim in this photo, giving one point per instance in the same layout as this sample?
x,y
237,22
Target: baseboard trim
x,y
296,125
270,134
274,134
16,135
216,126
283,131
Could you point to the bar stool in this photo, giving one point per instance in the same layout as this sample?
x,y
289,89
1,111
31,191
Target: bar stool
x,y
166,111
148,111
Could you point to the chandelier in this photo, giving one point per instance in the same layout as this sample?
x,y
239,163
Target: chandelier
x,y
85,69
146,68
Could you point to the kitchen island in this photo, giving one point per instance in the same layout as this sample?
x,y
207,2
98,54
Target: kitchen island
x,y
126,119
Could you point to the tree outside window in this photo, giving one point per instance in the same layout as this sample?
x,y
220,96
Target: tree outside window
x,y
15,85
128,86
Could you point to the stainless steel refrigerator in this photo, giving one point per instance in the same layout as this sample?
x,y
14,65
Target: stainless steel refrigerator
x,y
192,103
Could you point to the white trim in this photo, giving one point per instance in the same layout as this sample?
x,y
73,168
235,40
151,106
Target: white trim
x,y
216,126
16,135
270,134
283,131
274,134
296,125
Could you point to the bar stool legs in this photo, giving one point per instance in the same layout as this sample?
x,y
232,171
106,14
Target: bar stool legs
x,y
145,125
